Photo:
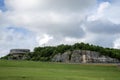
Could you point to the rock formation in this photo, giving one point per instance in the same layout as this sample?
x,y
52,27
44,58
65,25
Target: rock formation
x,y
83,56
75,56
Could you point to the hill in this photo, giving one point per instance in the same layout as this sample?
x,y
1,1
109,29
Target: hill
x,y
48,52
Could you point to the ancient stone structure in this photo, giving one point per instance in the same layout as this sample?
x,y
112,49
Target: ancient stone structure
x,y
18,54
83,56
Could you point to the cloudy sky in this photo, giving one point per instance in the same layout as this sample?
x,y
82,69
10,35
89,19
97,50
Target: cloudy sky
x,y
31,23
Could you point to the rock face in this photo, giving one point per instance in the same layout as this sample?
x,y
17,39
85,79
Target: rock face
x,y
62,57
18,54
76,57
83,56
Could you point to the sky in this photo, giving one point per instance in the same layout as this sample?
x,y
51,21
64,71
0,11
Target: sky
x,y
32,23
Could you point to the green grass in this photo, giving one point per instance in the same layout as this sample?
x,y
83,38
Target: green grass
x,y
28,70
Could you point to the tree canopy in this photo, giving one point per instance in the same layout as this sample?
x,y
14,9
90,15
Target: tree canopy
x,y
47,52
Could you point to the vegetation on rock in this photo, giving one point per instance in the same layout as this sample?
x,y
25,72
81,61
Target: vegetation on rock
x,y
46,53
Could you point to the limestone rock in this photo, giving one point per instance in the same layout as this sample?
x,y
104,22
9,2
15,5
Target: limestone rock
x,y
76,57
62,57
65,57
57,58
83,56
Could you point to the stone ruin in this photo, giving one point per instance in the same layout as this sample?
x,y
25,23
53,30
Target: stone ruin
x,y
83,56
18,54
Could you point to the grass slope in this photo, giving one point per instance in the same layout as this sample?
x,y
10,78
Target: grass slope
x,y
27,70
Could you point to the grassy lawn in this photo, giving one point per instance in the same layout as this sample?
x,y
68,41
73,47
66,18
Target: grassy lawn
x,y
28,70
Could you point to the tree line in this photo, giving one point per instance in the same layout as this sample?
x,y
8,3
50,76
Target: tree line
x,y
46,53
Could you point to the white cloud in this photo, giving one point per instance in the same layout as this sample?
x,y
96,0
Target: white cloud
x,y
54,17
117,43
103,25
49,5
53,22
100,12
103,6
22,4
44,39
107,10
11,38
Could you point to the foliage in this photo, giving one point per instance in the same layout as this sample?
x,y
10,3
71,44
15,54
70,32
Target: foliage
x,y
50,51
47,52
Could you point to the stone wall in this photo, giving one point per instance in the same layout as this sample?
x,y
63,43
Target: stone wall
x,y
17,51
83,56
18,54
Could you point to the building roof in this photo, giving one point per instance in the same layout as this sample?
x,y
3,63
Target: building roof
x,y
19,51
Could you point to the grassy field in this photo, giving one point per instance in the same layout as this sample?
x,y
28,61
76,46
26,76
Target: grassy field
x,y
28,70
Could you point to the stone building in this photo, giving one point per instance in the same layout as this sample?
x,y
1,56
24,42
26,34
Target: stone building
x,y
18,54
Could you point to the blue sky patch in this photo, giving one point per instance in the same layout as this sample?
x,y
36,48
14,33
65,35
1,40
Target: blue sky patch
x,y
19,30
2,5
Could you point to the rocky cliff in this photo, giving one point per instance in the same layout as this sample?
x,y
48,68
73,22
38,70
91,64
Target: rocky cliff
x,y
75,56
83,56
